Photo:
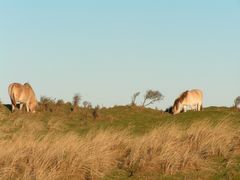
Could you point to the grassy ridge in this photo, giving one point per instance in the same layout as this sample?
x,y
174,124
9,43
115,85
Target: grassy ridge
x,y
136,119
123,142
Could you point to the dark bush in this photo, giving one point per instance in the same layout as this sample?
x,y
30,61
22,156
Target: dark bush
x,y
96,112
47,104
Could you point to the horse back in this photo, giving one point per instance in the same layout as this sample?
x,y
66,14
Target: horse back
x,y
195,96
17,92
14,88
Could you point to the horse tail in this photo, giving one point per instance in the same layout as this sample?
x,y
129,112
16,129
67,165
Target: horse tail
x,y
11,94
10,89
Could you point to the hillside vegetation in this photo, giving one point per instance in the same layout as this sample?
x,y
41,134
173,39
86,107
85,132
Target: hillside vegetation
x,y
123,142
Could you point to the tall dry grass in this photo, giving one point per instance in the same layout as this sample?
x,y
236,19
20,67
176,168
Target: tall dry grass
x,y
171,149
168,149
63,157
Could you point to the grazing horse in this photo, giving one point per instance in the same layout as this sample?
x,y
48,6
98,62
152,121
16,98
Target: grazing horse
x,y
22,94
189,99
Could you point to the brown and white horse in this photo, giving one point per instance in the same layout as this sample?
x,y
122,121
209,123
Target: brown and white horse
x,y
192,99
22,94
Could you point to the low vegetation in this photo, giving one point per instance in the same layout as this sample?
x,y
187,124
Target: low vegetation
x,y
237,102
123,142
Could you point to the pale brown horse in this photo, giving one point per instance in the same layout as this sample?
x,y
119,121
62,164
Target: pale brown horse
x,y
192,99
22,94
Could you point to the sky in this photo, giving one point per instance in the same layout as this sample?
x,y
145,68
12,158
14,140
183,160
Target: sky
x,y
107,50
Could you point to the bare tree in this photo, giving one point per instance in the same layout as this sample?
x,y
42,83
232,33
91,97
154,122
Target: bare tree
x,y
237,102
87,104
152,96
134,97
76,101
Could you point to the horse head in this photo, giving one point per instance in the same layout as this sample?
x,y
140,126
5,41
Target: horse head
x,y
169,110
177,106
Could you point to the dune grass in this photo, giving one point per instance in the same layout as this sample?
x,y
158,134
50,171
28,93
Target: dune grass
x,y
123,143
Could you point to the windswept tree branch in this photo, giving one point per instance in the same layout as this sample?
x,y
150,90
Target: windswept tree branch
x,y
152,96
134,97
237,101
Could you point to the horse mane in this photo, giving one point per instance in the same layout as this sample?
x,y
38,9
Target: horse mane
x,y
183,96
33,98
27,84
176,102
180,99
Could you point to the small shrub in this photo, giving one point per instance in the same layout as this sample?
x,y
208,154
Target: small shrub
x,y
60,102
87,104
76,101
134,97
96,112
47,104
237,102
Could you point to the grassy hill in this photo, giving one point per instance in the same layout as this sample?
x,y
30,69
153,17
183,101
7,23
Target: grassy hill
x,y
122,142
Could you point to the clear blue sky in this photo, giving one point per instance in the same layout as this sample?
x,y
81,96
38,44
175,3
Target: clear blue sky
x,y
107,50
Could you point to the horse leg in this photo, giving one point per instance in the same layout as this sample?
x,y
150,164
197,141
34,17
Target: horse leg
x,y
13,105
195,107
192,107
184,109
27,105
199,106
21,106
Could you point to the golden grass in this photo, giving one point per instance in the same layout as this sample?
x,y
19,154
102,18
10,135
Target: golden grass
x,y
60,157
171,149
168,149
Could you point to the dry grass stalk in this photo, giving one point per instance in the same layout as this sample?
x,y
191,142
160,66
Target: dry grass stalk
x,y
168,149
